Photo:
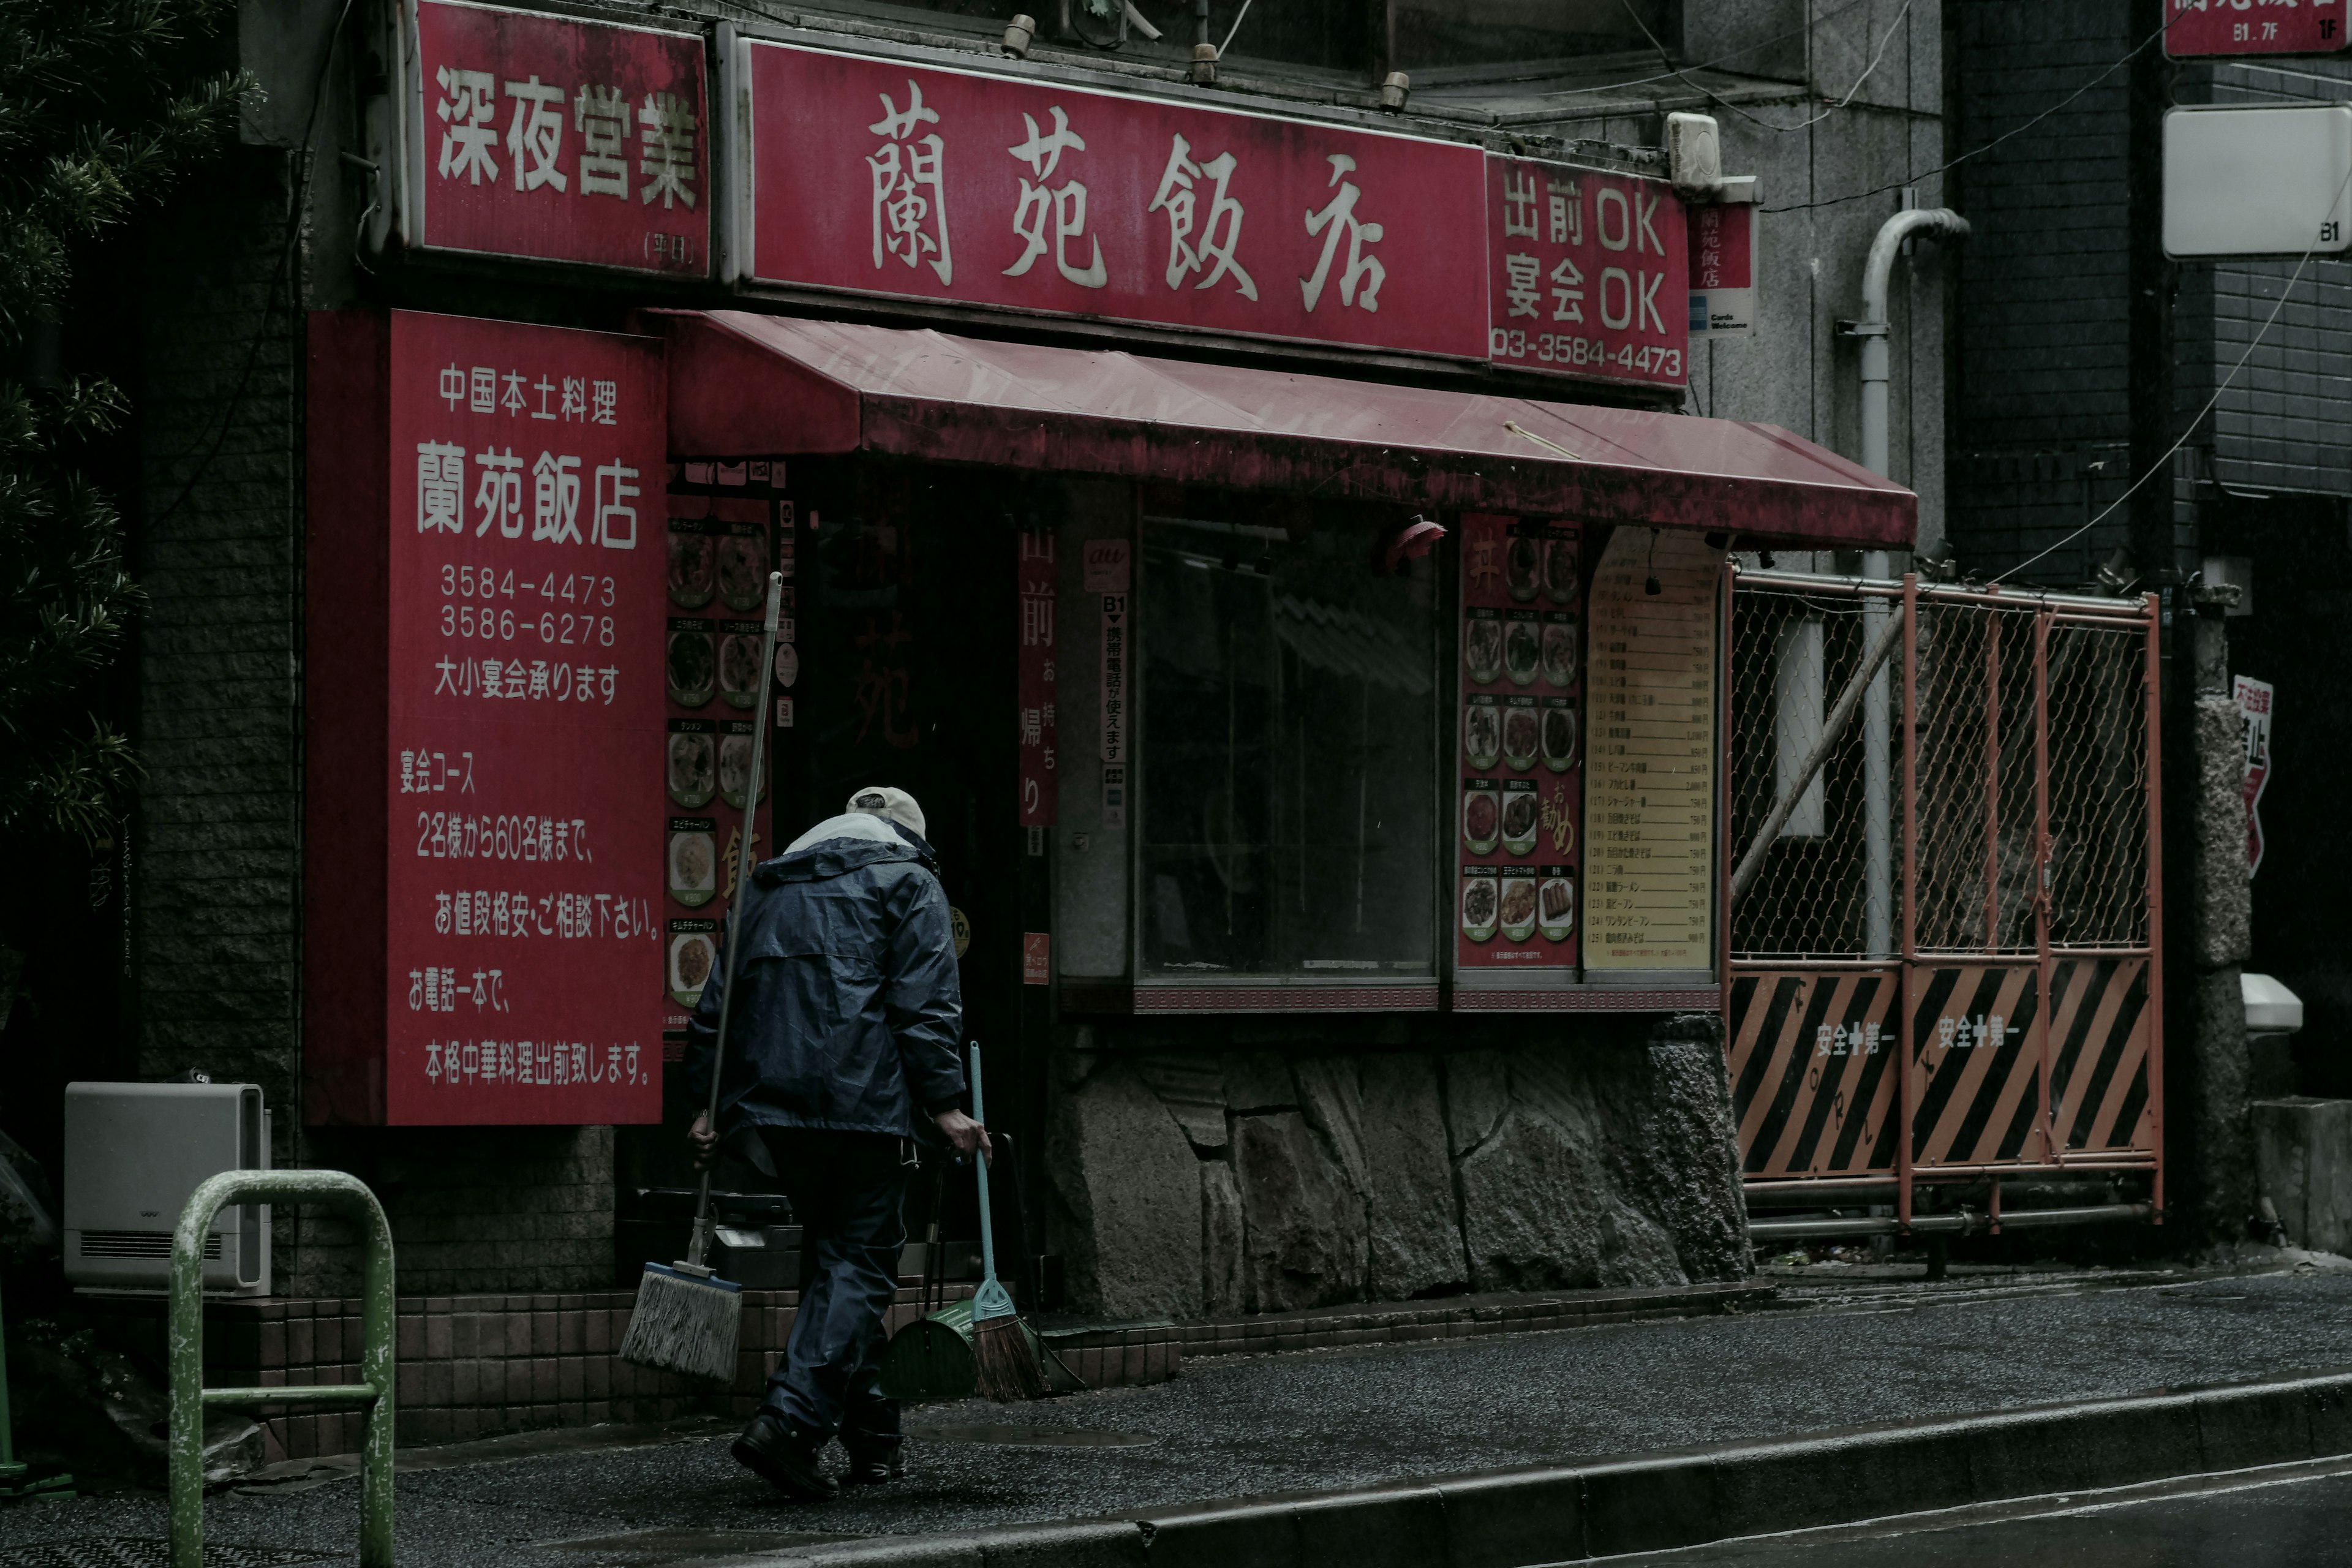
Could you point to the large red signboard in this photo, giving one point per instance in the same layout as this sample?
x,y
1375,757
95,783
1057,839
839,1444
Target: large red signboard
x,y
562,140
1589,273
2194,27
485,606
884,178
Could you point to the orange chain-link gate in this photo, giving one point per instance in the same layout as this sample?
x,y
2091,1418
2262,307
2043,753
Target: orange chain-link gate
x,y
1944,962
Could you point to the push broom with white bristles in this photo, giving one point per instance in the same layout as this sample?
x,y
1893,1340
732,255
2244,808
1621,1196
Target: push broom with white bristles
x,y
688,1319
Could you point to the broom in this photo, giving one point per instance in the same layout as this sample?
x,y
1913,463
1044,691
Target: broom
x,y
688,1319
1004,1365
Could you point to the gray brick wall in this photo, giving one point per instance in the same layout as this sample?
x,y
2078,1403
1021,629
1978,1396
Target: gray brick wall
x,y
2041,401
218,916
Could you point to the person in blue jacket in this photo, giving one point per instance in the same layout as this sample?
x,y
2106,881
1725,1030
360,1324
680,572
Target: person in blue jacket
x,y
843,1054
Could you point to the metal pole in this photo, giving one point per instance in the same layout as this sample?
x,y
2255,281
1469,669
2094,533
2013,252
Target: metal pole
x,y
2152,682
2054,1148
1992,781
186,1354
1877,786
1905,986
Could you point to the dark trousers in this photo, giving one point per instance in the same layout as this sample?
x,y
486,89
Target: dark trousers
x,y
846,1190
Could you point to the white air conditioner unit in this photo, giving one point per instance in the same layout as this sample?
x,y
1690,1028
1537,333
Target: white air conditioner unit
x,y
135,1152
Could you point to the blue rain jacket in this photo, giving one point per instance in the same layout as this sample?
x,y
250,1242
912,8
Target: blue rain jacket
x,y
850,1013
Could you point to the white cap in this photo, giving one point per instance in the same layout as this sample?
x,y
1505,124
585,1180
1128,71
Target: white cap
x,y
890,805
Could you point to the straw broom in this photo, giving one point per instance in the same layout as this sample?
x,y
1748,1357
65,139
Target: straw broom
x,y
1004,1364
687,1318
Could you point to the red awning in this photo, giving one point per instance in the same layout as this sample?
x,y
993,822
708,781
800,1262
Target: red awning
x,y
749,386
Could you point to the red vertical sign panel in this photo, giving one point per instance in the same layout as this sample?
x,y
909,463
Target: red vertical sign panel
x,y
1040,786
1588,273
1520,744
560,139
523,887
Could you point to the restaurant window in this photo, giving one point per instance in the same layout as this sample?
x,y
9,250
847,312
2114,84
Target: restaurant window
x,y
1288,748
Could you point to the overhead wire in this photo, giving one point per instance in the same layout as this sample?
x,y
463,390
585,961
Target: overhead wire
x,y
1717,98
2164,465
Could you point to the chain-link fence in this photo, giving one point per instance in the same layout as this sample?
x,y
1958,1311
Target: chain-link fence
x,y
1943,896
2014,740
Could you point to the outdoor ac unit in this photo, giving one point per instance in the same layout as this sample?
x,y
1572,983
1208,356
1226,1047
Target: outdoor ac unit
x,y
135,1152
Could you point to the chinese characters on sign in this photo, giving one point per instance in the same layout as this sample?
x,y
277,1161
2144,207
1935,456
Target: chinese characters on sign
x,y
1040,778
1722,270
2254,701
2194,27
1650,867
524,612
878,177
560,140
1589,273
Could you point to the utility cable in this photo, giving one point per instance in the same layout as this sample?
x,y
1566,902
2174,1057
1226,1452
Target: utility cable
x,y
2164,465
1720,101
1978,152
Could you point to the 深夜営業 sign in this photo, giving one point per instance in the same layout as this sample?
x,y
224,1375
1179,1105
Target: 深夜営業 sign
x,y
559,139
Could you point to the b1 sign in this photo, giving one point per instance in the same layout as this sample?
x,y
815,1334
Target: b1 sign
x,y
2258,181
559,139
2203,28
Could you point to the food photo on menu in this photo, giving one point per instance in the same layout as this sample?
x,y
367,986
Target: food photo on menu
x,y
1522,810
693,860
1556,906
1522,568
1478,901
1520,645
739,668
1481,816
1560,735
1560,571
691,574
691,957
690,768
1482,732
1559,650
1481,646
735,769
1519,730
691,667
744,571
1518,913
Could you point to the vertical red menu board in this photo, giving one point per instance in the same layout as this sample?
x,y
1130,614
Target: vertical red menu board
x,y
524,615
1519,743
720,552
1040,776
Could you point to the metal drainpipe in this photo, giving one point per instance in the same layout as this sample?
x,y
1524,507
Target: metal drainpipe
x,y
1877,702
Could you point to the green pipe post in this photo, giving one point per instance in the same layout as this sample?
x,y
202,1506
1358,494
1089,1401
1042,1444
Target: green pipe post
x,y
336,1189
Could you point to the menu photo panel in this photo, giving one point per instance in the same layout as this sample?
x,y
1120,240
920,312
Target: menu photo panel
x,y
1518,745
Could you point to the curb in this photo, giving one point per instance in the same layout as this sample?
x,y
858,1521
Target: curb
x,y
1515,1519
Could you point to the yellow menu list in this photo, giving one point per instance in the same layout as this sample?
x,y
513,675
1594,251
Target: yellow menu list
x,y
1650,777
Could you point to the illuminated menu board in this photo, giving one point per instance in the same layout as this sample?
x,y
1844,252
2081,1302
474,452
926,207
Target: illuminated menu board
x,y
1650,781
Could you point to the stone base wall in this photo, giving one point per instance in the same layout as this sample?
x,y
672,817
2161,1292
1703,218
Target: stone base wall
x,y
1546,1152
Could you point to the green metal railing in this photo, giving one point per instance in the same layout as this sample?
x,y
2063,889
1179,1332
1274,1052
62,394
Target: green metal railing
x,y
337,1189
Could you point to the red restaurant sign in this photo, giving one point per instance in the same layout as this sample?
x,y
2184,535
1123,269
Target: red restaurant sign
x,y
880,178
1589,273
560,140
486,605
2195,27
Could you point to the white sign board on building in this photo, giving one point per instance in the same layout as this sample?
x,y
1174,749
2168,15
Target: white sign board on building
x,y
2258,181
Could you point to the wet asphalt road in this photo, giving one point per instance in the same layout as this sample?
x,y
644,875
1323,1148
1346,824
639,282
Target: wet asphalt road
x,y
1341,1418
2299,1524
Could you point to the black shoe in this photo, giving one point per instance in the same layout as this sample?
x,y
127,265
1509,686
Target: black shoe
x,y
872,1463
785,1458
